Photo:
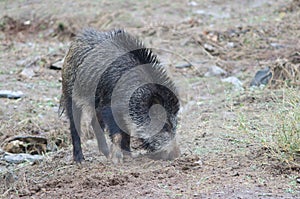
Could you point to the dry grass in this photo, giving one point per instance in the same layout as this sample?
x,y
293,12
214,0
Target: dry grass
x,y
285,141
276,127
285,73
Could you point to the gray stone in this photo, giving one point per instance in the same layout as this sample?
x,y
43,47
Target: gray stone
x,y
31,66
22,157
209,47
57,65
231,45
276,45
192,3
215,71
28,72
11,94
235,81
261,77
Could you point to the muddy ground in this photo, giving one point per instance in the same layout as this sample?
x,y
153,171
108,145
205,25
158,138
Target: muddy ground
x,y
219,158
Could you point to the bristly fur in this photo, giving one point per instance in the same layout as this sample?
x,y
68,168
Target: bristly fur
x,y
135,50
92,69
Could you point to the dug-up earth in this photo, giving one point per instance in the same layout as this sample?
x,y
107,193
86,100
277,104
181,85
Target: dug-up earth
x,y
219,157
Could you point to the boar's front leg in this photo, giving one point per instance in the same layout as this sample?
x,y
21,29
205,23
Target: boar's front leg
x,y
120,140
116,154
74,115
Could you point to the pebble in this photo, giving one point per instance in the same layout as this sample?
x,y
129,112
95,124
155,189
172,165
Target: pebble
x,y
209,47
28,72
57,65
215,71
11,94
235,81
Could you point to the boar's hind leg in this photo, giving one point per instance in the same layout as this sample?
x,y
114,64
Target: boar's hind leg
x,y
74,114
102,145
125,143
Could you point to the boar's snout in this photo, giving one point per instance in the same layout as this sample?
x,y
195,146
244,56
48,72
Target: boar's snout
x,y
170,152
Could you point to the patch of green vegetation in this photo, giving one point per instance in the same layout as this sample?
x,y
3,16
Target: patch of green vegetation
x,y
50,103
293,185
287,134
282,137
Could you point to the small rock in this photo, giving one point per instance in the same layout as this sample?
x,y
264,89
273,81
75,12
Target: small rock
x,y
235,81
215,14
231,45
192,3
209,47
57,65
215,71
27,23
11,94
22,157
261,77
198,162
184,65
31,67
276,45
27,73
21,62
200,12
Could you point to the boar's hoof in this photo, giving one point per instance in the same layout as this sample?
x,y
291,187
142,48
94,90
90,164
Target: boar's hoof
x,y
78,157
116,154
